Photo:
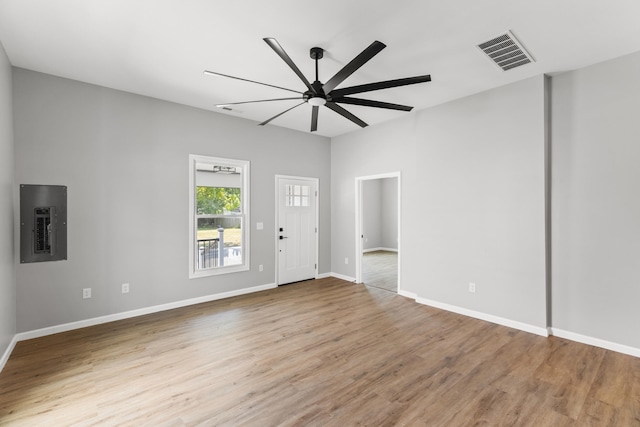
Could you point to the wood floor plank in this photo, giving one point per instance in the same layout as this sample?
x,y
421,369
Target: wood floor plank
x,y
317,353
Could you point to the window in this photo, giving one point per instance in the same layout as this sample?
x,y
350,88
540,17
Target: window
x,y
297,195
218,215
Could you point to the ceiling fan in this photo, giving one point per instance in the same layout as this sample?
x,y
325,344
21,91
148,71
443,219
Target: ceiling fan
x,y
319,94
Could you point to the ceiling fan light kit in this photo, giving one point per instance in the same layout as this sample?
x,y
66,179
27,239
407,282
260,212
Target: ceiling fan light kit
x,y
319,94
316,101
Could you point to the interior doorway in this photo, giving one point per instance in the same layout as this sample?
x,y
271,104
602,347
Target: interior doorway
x,y
378,231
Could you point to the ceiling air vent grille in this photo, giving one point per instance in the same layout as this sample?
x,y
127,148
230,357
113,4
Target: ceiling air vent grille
x,y
506,51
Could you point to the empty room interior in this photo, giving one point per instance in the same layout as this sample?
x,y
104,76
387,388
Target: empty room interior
x,y
343,213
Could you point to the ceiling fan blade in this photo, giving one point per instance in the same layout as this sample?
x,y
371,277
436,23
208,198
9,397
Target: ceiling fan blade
x,y
250,81
357,62
260,100
338,93
344,113
370,103
314,118
280,51
278,115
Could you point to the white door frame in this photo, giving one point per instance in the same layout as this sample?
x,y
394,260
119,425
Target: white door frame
x,y
359,231
277,217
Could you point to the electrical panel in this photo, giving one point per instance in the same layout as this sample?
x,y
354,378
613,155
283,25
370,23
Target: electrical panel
x,y
43,223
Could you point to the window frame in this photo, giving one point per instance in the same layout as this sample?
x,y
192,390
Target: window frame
x,y
195,159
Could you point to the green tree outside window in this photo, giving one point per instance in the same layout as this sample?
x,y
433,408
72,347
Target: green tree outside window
x,y
217,200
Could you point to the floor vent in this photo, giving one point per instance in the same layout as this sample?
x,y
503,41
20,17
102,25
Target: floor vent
x,y
506,51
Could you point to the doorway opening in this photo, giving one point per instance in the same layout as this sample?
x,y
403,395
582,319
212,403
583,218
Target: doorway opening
x,y
378,231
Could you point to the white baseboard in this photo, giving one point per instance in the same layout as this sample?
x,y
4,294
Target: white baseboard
x,y
323,275
620,348
407,294
596,342
379,249
139,312
487,317
7,352
343,277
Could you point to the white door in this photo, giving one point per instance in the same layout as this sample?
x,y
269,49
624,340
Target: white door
x,y
296,229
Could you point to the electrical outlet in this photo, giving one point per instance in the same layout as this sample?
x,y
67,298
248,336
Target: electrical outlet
x,y
346,260
260,267
125,288
86,293
472,287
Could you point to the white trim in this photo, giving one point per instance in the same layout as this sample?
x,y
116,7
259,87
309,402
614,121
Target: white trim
x,y
364,251
343,277
277,219
596,342
323,275
608,345
399,237
380,176
359,233
487,317
407,294
5,357
139,312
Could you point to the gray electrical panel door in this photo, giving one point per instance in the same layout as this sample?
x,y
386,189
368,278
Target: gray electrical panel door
x,y
43,223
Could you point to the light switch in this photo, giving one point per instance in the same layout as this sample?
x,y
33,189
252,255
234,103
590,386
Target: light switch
x,y
259,226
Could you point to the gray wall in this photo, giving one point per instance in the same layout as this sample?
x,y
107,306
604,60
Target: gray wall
x,y
7,269
596,201
380,213
124,159
389,212
371,214
473,204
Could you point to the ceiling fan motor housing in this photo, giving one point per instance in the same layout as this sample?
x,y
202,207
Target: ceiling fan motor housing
x,y
319,97
316,53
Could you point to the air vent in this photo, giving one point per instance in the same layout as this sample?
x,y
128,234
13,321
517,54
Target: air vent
x,y
506,51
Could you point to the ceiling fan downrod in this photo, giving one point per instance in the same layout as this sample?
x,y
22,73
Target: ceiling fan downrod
x,y
318,98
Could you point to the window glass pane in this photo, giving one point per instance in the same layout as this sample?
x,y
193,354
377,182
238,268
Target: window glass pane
x,y
219,242
217,200
297,195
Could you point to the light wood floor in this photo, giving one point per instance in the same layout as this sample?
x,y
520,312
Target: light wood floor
x,y
317,353
380,269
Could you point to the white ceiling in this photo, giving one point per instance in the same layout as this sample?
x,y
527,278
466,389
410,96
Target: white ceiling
x,y
160,48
